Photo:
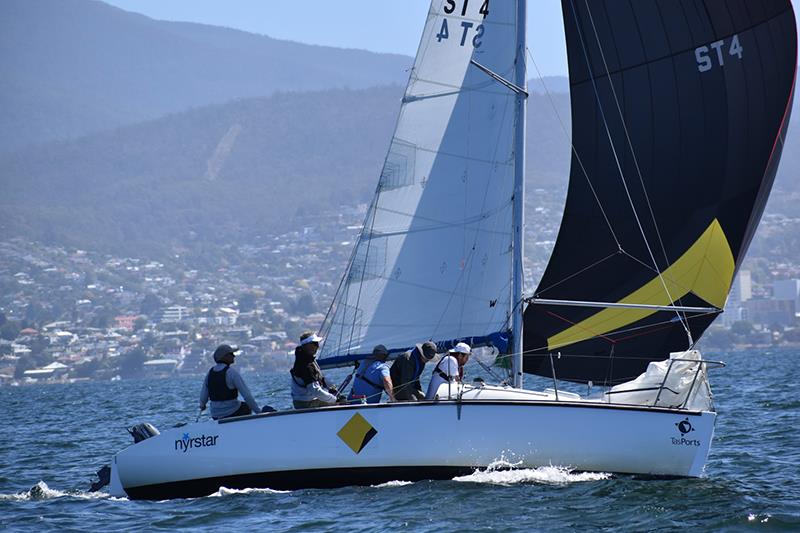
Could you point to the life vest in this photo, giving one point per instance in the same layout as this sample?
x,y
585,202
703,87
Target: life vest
x,y
218,390
441,373
368,381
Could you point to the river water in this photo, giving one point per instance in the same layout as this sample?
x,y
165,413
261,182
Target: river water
x,y
56,436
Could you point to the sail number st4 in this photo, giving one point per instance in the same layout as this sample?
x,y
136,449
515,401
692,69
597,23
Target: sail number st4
x,y
468,28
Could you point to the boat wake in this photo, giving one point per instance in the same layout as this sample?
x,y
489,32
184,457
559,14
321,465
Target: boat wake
x,y
505,473
41,491
225,491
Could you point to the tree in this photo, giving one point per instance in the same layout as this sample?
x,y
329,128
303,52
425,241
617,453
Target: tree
x,y
150,305
140,323
88,369
742,328
22,365
247,302
10,330
132,363
304,304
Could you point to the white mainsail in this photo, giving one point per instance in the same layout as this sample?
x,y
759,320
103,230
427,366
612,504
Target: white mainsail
x,y
434,259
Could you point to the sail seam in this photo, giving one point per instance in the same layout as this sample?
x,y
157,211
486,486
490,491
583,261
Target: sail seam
x,y
614,150
575,152
675,54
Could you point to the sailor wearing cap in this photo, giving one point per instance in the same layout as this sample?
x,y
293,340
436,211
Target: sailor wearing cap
x,y
372,378
407,369
450,369
309,388
223,385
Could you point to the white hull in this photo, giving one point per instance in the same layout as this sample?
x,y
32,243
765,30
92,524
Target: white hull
x,y
411,441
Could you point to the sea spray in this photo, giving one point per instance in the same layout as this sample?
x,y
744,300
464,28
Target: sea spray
x,y
557,475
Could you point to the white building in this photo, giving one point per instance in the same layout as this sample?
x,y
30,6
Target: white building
x,y
741,291
175,313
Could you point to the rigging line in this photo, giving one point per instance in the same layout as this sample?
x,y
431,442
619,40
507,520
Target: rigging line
x,y
627,136
619,164
574,150
363,275
584,328
621,331
579,272
639,173
345,275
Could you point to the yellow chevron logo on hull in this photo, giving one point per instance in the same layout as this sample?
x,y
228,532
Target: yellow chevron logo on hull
x,y
705,269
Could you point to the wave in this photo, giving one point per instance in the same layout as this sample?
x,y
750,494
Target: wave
x,y
395,483
41,491
225,491
505,473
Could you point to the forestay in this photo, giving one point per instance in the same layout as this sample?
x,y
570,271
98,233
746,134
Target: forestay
x,y
434,259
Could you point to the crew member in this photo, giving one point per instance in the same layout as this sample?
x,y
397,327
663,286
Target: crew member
x,y
407,369
309,388
449,370
223,385
372,378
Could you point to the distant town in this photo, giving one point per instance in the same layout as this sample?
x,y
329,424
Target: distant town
x,y
71,314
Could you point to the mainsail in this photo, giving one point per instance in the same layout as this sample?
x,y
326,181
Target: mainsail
x,y
679,112
434,258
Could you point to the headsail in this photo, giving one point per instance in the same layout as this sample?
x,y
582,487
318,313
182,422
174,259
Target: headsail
x,y
434,259
679,113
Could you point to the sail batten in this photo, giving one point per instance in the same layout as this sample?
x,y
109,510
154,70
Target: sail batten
x,y
677,110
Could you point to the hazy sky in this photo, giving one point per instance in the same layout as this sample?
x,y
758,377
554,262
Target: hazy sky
x,y
377,25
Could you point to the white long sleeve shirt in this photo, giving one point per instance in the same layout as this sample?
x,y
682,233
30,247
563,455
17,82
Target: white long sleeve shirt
x,y
227,407
312,391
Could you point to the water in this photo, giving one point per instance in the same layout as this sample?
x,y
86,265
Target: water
x,y
56,436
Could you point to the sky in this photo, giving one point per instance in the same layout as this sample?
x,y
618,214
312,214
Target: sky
x,y
376,25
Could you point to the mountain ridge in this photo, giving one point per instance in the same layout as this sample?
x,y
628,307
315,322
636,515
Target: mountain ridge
x,y
74,67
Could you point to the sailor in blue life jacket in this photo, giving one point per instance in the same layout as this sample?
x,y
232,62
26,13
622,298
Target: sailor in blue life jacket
x,y
407,369
449,370
223,385
372,378
309,388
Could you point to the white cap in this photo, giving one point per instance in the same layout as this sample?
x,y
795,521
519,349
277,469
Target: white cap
x,y
311,338
461,347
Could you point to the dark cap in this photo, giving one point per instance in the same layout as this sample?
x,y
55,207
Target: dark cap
x,y
223,350
428,350
380,351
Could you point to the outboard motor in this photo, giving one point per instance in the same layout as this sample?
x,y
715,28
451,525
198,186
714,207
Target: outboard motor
x,y
142,432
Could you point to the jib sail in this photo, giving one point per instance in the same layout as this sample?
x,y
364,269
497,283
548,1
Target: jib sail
x,y
434,259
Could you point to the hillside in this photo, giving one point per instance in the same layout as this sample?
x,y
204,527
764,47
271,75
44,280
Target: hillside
x,y
73,67
224,172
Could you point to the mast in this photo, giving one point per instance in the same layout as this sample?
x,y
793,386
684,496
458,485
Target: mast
x,y
519,196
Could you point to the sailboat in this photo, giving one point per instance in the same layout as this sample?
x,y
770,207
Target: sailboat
x,y
679,114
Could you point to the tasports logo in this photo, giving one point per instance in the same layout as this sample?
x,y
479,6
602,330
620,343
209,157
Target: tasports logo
x,y
685,427
188,442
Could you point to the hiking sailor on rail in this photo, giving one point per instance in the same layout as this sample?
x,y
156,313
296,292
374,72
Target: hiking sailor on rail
x,y
309,388
223,385
450,369
372,378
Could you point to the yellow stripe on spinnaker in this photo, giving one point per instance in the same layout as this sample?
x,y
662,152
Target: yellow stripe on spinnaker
x,y
705,269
